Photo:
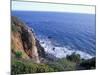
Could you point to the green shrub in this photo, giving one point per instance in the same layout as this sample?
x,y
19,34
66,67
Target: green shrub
x,y
18,54
67,65
56,66
25,66
44,68
20,67
89,63
74,57
62,65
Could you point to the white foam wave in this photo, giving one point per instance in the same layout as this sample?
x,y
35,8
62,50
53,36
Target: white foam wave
x,y
61,52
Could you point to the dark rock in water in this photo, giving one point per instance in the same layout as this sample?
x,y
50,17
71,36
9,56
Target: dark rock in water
x,y
42,42
49,37
32,30
53,49
51,57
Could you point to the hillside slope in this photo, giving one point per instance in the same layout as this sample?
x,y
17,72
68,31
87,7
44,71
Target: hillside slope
x,y
24,41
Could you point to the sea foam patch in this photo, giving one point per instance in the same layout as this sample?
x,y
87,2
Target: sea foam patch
x,y
61,52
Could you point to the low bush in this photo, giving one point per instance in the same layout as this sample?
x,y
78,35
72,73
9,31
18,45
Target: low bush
x,y
74,57
88,64
56,66
20,67
62,65
67,65
18,54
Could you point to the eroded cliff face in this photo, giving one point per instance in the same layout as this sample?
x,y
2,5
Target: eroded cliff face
x,y
23,39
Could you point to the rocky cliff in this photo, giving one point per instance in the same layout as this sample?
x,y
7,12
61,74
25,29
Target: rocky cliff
x,y
23,39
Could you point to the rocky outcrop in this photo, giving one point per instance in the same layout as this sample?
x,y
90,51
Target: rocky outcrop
x,y
23,39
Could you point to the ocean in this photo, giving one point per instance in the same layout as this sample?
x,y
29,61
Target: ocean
x,y
62,33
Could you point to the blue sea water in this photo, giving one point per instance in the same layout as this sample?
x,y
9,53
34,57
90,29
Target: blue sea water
x,y
62,33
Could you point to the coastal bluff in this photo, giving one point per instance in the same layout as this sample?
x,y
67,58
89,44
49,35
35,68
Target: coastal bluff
x,y
23,40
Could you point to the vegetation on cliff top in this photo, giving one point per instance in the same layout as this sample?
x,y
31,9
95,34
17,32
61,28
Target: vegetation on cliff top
x,y
22,66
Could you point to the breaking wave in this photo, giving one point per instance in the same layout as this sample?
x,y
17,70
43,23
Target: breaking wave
x,y
60,51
